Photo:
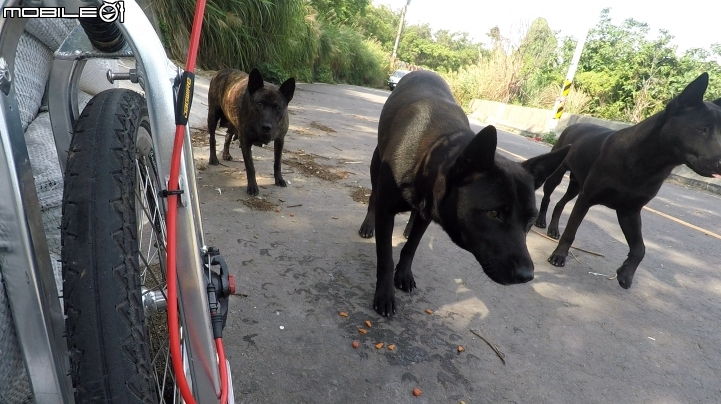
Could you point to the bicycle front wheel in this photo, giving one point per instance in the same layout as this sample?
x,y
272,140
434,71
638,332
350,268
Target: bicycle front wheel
x,y
113,239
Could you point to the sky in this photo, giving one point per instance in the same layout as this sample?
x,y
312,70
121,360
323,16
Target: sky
x,y
694,25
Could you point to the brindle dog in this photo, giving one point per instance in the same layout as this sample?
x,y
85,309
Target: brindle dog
x,y
255,111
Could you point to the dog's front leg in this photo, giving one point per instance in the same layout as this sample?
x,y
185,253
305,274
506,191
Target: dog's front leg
x,y
384,301
368,226
226,146
631,226
558,258
249,168
403,278
278,154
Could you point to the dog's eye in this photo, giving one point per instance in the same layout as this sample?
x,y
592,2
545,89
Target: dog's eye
x,y
260,103
704,131
277,108
493,214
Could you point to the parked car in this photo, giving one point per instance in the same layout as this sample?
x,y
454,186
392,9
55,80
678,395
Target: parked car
x,y
395,77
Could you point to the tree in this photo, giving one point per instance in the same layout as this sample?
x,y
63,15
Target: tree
x,y
626,74
442,50
539,61
381,24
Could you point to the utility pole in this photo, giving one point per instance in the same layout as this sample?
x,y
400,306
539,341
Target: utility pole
x,y
561,100
398,37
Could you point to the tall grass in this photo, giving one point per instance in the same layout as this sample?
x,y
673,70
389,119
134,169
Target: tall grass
x,y
493,78
282,38
346,56
498,78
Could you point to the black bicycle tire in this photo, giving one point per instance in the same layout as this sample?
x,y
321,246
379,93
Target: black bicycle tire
x,y
105,324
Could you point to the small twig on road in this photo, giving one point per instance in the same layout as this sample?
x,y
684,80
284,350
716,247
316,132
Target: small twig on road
x,y
578,260
294,206
352,162
500,354
336,148
576,248
594,269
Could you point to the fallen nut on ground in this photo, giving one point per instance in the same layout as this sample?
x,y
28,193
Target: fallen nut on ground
x,y
355,344
416,392
368,323
343,314
429,311
362,331
379,345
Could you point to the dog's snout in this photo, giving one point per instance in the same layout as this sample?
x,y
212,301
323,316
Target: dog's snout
x,y
523,274
265,128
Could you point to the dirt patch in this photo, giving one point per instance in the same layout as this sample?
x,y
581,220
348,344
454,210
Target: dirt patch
x,y
200,137
307,165
360,194
322,127
259,204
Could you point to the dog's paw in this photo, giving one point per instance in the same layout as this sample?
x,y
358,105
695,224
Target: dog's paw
x,y
404,281
384,303
366,230
553,232
213,161
625,277
281,182
540,222
557,260
253,189
227,157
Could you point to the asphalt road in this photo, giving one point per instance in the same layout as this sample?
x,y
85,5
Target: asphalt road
x,y
569,336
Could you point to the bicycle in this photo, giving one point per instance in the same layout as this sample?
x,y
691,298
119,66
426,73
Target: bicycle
x,y
125,198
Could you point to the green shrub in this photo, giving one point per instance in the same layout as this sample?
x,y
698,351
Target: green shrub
x,y
549,137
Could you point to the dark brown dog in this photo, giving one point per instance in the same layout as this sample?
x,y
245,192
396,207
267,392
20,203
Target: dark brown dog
x,y
255,111
429,161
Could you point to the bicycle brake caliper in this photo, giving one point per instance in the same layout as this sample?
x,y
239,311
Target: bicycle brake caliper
x,y
220,286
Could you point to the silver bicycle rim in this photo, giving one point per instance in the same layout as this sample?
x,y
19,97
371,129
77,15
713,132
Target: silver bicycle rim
x,y
152,236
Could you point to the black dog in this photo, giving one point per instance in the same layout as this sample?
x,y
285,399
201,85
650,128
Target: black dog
x,y
428,160
254,111
624,169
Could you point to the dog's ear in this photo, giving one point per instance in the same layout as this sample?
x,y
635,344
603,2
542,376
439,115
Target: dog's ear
x,y
691,96
478,156
544,165
288,89
255,81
